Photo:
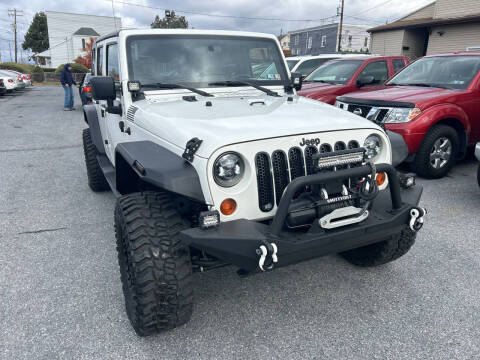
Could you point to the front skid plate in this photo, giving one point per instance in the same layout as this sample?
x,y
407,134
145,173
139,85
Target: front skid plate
x,y
236,241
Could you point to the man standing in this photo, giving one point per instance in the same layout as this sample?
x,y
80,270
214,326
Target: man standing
x,y
67,81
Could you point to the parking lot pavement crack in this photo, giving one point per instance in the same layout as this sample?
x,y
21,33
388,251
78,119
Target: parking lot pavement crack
x,y
41,231
42,148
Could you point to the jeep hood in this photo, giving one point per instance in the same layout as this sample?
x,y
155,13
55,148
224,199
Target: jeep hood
x,y
410,94
233,120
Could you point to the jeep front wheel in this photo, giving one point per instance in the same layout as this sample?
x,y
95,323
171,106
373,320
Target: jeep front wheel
x,y
382,252
438,152
96,178
155,267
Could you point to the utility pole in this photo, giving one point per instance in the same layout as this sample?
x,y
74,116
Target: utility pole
x,y
340,29
14,13
10,50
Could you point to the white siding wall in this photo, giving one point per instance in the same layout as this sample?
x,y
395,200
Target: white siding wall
x,y
358,34
61,26
454,38
425,12
387,43
456,8
415,40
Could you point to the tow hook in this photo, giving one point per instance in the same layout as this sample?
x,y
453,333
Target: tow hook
x,y
263,252
416,218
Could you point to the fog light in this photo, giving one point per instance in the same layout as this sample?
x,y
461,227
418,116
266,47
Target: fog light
x,y
208,219
381,177
407,180
228,206
133,86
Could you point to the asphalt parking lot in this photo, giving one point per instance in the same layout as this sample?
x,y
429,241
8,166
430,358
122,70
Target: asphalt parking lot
x,y
61,297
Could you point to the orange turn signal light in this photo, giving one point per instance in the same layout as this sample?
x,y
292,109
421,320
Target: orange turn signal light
x,y
228,206
381,177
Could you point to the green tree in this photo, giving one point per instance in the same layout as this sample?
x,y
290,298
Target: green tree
x,y
36,37
170,21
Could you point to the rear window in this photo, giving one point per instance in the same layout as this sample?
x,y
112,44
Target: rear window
x,y
308,66
398,64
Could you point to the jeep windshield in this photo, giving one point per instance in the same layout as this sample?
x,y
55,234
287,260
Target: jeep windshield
x,y
449,72
200,61
335,72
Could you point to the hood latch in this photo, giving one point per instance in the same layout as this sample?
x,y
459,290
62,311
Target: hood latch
x,y
191,148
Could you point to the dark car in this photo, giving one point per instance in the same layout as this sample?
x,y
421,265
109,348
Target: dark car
x,y
341,76
3,89
85,90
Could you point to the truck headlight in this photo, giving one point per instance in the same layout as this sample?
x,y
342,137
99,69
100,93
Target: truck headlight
x,y
401,115
228,169
373,146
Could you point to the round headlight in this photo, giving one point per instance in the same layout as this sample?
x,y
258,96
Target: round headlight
x,y
373,146
228,169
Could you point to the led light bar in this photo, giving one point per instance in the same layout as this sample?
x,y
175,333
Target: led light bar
x,y
339,158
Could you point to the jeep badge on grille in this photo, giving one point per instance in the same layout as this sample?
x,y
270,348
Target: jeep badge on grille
x,y
314,141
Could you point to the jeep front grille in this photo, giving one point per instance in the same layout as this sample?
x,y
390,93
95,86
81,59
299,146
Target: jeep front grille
x,y
275,171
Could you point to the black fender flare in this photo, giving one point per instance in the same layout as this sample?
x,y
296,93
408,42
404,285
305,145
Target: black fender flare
x,y
399,147
157,166
91,118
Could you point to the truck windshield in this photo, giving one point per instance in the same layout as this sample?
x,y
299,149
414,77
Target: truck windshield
x,y
203,61
451,72
335,72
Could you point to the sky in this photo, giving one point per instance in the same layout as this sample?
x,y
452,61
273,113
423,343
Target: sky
x,y
272,16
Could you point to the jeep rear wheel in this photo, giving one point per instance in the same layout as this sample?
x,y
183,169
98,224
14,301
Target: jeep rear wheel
x,y
437,153
155,267
382,252
96,178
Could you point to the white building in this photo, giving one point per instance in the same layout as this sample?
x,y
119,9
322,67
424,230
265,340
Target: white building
x,y
68,33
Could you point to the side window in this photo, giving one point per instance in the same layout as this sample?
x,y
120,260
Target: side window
x,y
92,66
378,70
100,61
398,64
309,65
112,62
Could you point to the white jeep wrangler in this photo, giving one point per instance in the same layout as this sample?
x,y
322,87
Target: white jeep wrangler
x,y
216,161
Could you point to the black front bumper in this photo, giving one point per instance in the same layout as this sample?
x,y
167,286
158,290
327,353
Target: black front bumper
x,y
237,241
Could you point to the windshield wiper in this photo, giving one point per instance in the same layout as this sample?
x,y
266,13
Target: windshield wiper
x,y
240,83
418,84
176,86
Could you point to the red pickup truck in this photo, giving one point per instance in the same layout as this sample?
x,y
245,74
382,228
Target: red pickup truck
x,y
341,76
434,103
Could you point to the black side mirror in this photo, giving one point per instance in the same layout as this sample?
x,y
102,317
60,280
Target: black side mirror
x,y
366,80
103,88
297,80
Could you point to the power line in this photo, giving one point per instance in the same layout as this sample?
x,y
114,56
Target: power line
x,y
221,15
374,7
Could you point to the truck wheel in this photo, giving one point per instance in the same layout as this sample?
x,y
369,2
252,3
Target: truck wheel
x,y
155,267
478,175
96,179
382,252
438,152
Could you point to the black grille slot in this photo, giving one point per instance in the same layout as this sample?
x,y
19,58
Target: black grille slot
x,y
325,148
353,144
295,157
264,182
280,173
340,145
309,152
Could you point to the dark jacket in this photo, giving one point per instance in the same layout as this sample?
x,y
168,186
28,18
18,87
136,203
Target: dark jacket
x,y
66,76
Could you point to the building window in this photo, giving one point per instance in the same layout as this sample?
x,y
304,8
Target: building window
x,y
83,44
365,43
324,40
349,40
296,39
309,44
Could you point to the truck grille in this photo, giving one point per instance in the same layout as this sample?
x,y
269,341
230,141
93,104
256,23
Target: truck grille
x,y
376,116
275,171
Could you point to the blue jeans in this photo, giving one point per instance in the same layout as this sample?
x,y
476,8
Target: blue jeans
x,y
68,103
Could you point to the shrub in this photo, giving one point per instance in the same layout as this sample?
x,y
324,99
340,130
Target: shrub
x,y
21,68
37,74
76,68
49,70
